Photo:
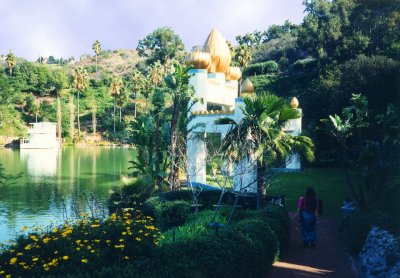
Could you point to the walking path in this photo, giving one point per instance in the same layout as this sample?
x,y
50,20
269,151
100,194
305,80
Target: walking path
x,y
326,260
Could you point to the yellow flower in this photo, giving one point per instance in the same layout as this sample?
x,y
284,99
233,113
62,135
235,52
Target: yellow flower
x,y
65,258
78,241
46,239
28,247
24,228
138,239
77,248
33,237
19,254
119,246
55,252
95,225
97,240
13,260
35,259
1,271
84,261
123,233
126,258
108,241
55,230
121,240
8,276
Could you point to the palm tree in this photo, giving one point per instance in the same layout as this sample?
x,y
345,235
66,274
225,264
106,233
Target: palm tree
x,y
178,83
243,56
115,90
261,134
138,81
11,61
80,84
97,49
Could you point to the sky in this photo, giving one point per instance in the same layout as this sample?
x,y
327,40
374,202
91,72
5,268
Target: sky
x,y
65,28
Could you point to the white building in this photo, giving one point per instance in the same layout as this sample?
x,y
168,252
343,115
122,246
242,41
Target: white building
x,y
41,136
216,83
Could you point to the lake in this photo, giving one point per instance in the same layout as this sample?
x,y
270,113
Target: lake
x,y
53,180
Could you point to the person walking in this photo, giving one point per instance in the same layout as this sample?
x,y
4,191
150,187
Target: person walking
x,y
307,215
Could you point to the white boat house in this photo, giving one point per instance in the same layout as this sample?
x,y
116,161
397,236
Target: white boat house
x,y
42,135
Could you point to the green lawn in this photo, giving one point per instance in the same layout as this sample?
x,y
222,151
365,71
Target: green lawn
x,y
329,184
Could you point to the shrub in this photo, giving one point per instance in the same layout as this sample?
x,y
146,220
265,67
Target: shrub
x,y
82,246
131,195
353,229
263,68
168,214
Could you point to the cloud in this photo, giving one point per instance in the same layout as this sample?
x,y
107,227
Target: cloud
x,y
67,28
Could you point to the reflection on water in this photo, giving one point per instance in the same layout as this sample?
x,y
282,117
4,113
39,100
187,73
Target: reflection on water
x,y
55,178
40,162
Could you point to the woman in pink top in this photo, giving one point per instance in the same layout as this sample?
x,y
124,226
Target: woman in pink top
x,y
307,211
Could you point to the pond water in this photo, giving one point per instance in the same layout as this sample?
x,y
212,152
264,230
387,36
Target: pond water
x,y
53,180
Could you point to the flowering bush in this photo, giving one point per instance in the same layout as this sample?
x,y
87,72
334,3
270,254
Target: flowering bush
x,y
82,246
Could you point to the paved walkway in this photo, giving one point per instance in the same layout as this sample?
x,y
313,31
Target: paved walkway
x,y
326,260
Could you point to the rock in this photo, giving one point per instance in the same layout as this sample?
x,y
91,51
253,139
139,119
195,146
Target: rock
x,y
380,255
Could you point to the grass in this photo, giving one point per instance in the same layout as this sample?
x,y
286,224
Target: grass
x,y
329,184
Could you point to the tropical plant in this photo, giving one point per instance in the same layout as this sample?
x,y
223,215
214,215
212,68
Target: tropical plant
x,y
80,84
11,61
115,90
178,83
260,135
97,50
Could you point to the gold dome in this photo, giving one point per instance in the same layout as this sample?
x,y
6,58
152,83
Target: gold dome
x,y
220,54
233,73
198,59
294,103
246,87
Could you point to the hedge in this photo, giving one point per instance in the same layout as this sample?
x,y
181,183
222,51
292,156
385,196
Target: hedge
x,y
262,68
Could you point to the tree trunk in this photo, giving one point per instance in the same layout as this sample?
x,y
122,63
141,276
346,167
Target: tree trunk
x,y
94,110
260,184
173,175
96,65
120,114
114,117
79,122
71,116
59,115
157,149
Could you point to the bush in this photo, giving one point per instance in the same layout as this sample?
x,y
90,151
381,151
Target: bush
x,y
209,198
131,195
353,229
263,68
168,214
81,247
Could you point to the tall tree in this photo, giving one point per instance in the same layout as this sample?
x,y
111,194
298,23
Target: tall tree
x,y
11,61
115,90
178,82
97,50
80,84
260,134
161,45
60,82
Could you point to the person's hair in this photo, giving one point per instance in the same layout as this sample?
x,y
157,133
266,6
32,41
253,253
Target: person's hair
x,y
310,199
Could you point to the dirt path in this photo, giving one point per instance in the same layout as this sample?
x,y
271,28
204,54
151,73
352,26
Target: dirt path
x,y
326,260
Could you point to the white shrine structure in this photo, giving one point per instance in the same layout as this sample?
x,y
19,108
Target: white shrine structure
x,y
216,83
42,135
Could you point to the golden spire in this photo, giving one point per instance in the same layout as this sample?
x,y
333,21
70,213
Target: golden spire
x,y
198,59
233,73
294,103
220,54
246,87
